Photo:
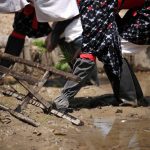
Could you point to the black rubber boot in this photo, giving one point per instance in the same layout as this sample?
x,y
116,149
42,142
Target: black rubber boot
x,y
130,89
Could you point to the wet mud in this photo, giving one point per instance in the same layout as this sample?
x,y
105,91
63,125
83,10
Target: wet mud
x,y
105,127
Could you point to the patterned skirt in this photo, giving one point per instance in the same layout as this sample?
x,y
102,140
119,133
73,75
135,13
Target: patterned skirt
x,y
100,33
136,26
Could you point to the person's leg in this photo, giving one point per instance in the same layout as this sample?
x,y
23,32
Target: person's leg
x,y
115,83
127,89
14,47
82,69
130,89
72,51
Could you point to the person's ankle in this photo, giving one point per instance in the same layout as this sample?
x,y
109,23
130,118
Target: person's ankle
x,y
62,109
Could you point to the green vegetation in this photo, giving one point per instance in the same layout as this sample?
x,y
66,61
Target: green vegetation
x,y
40,44
63,65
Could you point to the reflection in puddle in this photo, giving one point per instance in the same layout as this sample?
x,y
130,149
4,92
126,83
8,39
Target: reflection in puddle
x,y
124,134
105,125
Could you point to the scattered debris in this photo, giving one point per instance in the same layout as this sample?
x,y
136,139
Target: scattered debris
x,y
20,116
33,95
5,119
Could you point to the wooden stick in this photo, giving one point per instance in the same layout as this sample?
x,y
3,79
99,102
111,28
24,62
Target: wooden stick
x,y
39,66
55,112
46,104
19,96
67,116
20,76
29,96
20,116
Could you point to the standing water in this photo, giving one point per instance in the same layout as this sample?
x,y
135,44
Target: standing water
x,y
124,134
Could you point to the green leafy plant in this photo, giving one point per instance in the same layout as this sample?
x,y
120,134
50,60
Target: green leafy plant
x,y
40,44
63,65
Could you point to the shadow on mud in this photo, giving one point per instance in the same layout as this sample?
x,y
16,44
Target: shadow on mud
x,y
98,101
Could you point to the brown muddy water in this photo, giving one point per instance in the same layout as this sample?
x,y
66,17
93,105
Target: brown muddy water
x,y
123,134
107,134
115,134
106,127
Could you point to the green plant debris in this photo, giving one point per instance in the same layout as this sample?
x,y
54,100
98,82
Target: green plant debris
x,y
41,45
63,65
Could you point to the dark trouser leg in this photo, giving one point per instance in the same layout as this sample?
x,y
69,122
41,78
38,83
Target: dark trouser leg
x,y
130,89
14,47
115,83
72,51
82,68
94,77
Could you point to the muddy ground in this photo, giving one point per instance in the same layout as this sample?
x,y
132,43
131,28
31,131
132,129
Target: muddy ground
x,y
106,127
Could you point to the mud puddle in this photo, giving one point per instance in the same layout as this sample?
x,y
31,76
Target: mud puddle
x,y
123,134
